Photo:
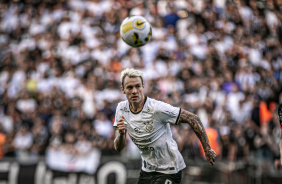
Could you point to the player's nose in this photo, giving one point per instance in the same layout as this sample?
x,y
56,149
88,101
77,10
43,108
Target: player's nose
x,y
134,90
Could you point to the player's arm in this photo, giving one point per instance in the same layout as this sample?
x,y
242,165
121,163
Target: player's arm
x,y
194,121
120,140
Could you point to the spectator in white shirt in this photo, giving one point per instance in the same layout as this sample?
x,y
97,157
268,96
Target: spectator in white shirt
x,y
23,141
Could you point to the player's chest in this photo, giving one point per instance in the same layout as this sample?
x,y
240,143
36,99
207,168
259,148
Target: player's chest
x,y
141,123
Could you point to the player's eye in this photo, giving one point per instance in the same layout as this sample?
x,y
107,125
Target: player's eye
x,y
129,87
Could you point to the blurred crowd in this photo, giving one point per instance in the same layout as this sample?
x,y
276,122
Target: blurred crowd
x,y
60,63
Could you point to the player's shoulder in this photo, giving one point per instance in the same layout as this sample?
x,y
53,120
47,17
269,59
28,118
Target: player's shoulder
x,y
160,106
155,102
123,103
123,106
152,101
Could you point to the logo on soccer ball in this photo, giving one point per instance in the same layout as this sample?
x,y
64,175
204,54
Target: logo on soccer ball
x,y
139,24
149,128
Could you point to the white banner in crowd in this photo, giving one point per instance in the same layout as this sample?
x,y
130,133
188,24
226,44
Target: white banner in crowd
x,y
63,161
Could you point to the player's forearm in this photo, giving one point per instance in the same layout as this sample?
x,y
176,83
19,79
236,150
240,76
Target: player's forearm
x,y
194,121
120,141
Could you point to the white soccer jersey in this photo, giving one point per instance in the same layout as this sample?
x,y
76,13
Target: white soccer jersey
x,y
150,131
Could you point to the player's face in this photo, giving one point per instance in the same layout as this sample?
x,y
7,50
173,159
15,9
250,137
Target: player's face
x,y
133,89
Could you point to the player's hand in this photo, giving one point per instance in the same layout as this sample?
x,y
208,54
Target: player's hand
x,y
121,125
210,155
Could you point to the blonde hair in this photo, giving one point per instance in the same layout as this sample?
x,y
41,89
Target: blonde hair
x,y
130,72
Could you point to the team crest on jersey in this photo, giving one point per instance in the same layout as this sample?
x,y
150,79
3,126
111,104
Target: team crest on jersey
x,y
149,128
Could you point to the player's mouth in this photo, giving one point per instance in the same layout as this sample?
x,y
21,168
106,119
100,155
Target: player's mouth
x,y
134,97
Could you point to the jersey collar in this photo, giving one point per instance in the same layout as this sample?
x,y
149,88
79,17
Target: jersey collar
x,y
141,109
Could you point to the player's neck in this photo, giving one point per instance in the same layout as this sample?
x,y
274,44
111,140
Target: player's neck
x,y
137,107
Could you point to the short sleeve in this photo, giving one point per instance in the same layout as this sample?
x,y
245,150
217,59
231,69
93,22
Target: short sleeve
x,y
167,113
117,116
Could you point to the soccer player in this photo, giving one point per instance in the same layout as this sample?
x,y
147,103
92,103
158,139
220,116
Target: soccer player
x,y
146,121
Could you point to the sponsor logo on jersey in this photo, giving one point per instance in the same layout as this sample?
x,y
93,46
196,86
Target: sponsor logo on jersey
x,y
137,130
124,109
145,148
151,167
169,113
149,128
168,181
147,111
142,141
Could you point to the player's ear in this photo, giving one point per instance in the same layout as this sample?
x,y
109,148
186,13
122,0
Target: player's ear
x,y
122,89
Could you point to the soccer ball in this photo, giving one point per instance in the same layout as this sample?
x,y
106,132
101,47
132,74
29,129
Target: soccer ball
x,y
136,31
